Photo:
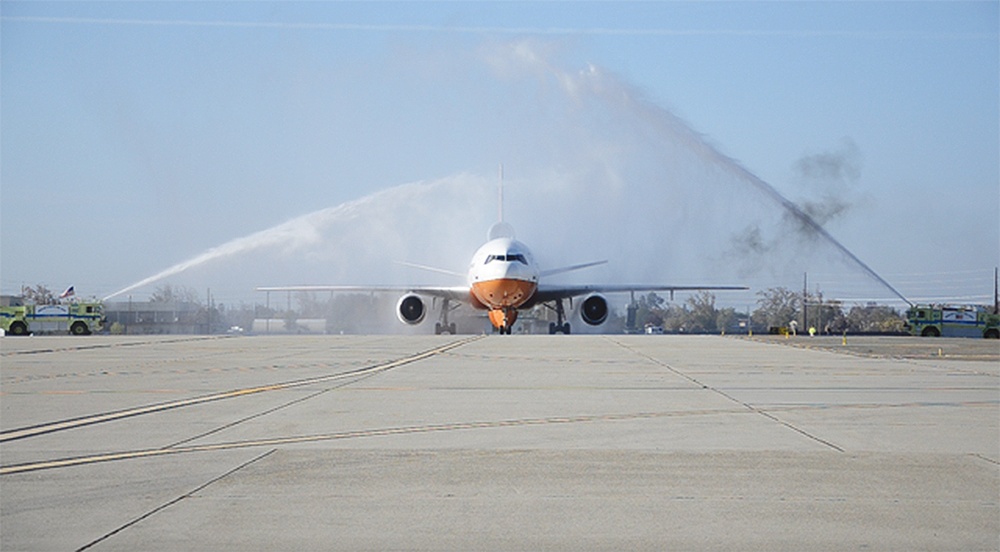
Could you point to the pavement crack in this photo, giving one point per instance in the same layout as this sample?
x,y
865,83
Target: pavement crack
x,y
727,396
986,458
170,503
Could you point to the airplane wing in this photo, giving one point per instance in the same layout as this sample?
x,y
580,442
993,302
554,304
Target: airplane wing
x,y
545,273
455,293
553,293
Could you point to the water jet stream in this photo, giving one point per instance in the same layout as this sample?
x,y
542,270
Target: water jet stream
x,y
613,91
617,147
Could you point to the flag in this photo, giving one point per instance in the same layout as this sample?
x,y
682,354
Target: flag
x,y
68,293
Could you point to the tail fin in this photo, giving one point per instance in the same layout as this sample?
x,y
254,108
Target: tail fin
x,y
501,229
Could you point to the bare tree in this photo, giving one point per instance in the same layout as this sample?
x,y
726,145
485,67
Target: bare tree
x,y
169,294
38,295
875,318
776,307
701,316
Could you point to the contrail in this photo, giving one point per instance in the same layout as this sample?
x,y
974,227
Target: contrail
x,y
465,29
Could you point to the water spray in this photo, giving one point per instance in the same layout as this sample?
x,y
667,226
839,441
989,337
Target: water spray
x,y
811,223
294,233
315,229
614,92
312,232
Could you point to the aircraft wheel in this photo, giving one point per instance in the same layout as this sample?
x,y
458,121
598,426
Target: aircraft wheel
x,y
558,328
437,328
451,328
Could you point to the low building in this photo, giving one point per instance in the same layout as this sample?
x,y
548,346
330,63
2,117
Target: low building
x,y
146,317
11,301
282,326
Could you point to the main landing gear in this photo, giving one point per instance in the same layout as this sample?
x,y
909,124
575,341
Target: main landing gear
x,y
442,326
560,326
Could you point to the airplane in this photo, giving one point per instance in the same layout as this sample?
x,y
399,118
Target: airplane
x,y
503,279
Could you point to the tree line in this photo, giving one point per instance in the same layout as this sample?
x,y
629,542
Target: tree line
x,y
776,308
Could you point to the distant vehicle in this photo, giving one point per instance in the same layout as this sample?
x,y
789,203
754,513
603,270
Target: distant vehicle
x,y
76,318
654,330
953,321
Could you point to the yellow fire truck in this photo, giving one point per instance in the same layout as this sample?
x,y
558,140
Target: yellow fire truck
x,y
77,318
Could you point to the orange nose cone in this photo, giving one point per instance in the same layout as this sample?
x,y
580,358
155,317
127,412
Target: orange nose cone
x,y
502,293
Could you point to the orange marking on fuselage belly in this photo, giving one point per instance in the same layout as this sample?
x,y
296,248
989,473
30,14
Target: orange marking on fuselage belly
x,y
503,292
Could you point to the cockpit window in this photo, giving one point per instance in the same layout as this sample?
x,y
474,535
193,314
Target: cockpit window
x,y
510,258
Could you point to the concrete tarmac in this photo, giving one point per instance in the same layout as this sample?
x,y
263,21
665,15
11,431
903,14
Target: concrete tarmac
x,y
498,443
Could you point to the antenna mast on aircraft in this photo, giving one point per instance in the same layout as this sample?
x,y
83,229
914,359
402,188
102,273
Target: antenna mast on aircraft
x,y
501,194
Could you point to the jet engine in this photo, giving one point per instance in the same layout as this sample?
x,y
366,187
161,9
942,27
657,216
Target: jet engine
x,y
594,310
411,309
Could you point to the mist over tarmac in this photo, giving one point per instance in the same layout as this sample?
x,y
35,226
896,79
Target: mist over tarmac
x,y
593,170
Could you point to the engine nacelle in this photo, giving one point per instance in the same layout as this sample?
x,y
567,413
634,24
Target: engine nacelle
x,y
594,310
411,309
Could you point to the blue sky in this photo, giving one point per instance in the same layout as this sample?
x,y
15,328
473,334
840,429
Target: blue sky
x,y
138,135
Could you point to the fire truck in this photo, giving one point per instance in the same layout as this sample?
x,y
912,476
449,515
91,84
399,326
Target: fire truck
x,y
953,321
76,318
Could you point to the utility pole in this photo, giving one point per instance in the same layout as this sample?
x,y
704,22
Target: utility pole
x,y
805,300
208,299
996,291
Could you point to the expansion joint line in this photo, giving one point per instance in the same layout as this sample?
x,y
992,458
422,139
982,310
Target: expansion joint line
x,y
162,507
729,397
344,435
986,458
60,425
269,411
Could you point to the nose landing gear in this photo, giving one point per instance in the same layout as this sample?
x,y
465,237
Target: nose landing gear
x,y
503,320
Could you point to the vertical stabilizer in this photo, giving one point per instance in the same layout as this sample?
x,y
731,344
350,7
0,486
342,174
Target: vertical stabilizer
x,y
501,229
